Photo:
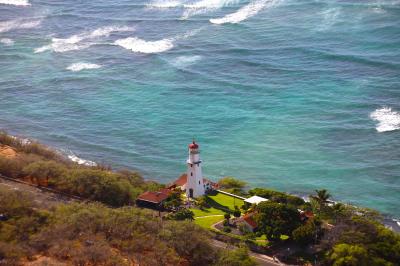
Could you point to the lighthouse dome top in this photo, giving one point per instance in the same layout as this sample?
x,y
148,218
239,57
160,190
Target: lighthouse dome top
x,y
193,145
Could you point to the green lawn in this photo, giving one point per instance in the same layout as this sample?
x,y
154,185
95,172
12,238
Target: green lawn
x,y
219,205
206,222
225,201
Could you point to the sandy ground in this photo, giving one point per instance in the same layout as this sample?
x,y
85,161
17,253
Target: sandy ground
x,y
7,151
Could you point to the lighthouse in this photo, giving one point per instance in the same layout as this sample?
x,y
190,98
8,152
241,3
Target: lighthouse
x,y
195,184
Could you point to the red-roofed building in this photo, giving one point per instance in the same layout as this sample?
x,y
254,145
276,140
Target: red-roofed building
x,y
153,199
182,180
249,222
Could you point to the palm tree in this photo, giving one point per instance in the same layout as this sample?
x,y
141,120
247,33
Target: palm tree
x,y
321,198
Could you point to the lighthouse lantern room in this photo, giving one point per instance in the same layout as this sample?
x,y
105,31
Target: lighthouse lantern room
x,y
195,184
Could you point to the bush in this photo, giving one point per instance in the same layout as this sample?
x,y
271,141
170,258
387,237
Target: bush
x,y
45,171
184,214
232,185
227,229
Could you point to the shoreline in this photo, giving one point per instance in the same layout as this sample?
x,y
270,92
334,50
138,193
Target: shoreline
x,y
389,221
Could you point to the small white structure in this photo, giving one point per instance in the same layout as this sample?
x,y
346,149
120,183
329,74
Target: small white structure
x,y
255,200
195,185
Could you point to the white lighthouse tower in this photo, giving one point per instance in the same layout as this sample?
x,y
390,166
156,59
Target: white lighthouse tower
x,y
195,184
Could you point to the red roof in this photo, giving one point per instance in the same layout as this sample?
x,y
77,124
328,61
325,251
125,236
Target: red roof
x,y
248,218
154,196
181,181
193,145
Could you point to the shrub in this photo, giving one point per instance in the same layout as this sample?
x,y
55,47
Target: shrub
x,y
227,229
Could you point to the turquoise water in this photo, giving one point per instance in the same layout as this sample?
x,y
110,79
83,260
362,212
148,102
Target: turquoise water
x,y
293,95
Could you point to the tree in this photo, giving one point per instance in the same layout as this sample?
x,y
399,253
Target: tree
x,y
236,212
275,219
227,216
202,202
42,171
232,185
321,198
277,196
184,214
306,233
349,255
236,257
174,200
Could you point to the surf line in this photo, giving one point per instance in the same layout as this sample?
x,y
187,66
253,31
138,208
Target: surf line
x,y
245,12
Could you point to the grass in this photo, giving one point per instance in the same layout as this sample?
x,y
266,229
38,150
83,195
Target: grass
x,y
207,222
219,205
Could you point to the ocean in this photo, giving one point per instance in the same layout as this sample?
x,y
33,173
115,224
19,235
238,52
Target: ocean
x,y
294,95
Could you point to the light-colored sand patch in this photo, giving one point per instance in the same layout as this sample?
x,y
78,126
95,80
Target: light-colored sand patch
x,y
7,151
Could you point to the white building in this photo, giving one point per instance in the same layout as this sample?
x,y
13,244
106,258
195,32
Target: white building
x,y
255,200
195,185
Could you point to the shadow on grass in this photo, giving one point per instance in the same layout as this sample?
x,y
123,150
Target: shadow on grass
x,y
216,205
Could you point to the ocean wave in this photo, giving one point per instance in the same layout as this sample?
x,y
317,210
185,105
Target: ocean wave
x,y
204,6
81,66
245,12
15,24
165,4
82,40
7,41
81,161
147,47
15,2
388,120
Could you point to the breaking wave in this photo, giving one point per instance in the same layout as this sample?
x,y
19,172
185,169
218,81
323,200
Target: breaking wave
x,y
7,41
388,120
15,2
15,24
147,47
81,40
204,6
81,161
165,4
81,66
245,12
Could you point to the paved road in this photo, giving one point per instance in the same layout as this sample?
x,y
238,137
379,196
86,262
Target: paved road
x,y
260,259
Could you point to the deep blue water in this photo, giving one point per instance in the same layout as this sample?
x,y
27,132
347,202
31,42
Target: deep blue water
x,y
295,95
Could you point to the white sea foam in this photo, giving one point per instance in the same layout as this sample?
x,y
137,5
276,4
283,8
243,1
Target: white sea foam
x,y
81,66
81,161
185,61
204,6
15,24
245,12
165,4
147,47
82,40
7,41
15,2
388,120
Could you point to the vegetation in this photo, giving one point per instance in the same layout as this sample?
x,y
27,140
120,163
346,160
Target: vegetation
x,y
93,234
42,166
277,196
275,219
183,214
232,185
